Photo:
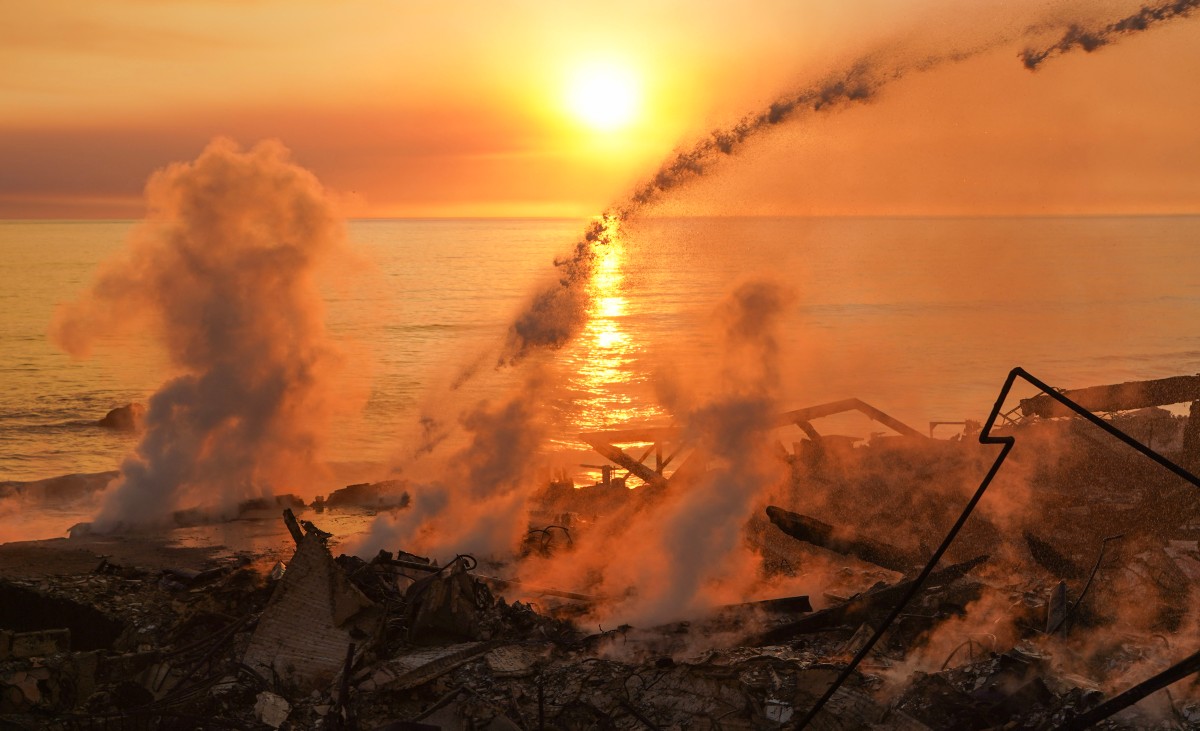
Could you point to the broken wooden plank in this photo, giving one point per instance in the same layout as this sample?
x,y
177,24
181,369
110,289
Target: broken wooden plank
x,y
604,442
855,610
612,453
811,530
780,605
1049,558
494,581
293,526
851,404
1056,609
1116,397
417,668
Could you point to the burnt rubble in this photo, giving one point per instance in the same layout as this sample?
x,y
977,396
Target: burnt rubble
x,y
1061,614
397,641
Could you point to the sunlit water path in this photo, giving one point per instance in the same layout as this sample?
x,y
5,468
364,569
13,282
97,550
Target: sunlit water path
x,y
921,317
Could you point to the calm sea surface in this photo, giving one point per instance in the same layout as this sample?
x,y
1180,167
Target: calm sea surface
x,y
920,317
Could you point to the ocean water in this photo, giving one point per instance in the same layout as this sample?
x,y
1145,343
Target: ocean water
x,y
922,317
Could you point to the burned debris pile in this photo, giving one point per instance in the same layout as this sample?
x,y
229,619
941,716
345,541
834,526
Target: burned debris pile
x,y
399,642
1068,596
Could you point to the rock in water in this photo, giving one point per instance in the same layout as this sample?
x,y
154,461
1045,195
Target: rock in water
x,y
124,418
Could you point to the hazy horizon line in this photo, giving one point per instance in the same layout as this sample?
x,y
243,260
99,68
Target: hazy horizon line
x,y
878,216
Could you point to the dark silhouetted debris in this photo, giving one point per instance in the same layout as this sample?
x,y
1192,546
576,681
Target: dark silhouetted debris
x,y
1118,397
857,609
445,606
1190,665
293,526
1018,641
1050,559
1056,609
782,605
811,530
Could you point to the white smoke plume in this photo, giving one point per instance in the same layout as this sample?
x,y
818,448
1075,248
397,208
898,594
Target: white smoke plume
x,y
681,549
223,272
478,503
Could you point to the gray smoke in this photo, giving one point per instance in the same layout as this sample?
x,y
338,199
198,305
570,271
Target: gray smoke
x,y
478,503
223,272
680,550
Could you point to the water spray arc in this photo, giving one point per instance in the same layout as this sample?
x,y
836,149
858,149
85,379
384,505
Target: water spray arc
x,y
1091,40
556,314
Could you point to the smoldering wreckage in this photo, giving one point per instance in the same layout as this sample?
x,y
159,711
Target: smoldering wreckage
x,y
1061,617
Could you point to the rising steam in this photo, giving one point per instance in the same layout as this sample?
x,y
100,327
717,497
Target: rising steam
x,y
223,271
698,530
666,553
478,504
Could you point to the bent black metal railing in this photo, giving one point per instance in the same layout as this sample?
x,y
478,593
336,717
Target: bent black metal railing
x,y
1007,443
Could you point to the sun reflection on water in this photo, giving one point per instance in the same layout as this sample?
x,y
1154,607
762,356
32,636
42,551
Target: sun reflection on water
x,y
608,381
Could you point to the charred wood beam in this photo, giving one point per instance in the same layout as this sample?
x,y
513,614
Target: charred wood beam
x,y
647,453
502,584
809,430
293,525
617,456
935,424
1048,557
856,609
1116,397
662,463
494,581
851,404
782,605
1056,609
807,414
811,530
604,442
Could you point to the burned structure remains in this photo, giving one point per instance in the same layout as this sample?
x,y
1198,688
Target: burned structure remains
x,y
1048,585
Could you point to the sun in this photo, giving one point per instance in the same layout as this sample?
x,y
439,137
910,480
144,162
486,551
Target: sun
x,y
604,96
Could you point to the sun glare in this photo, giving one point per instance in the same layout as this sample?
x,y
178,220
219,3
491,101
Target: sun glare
x,y
604,97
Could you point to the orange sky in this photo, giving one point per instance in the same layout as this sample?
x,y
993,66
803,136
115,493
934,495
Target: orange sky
x,y
414,107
